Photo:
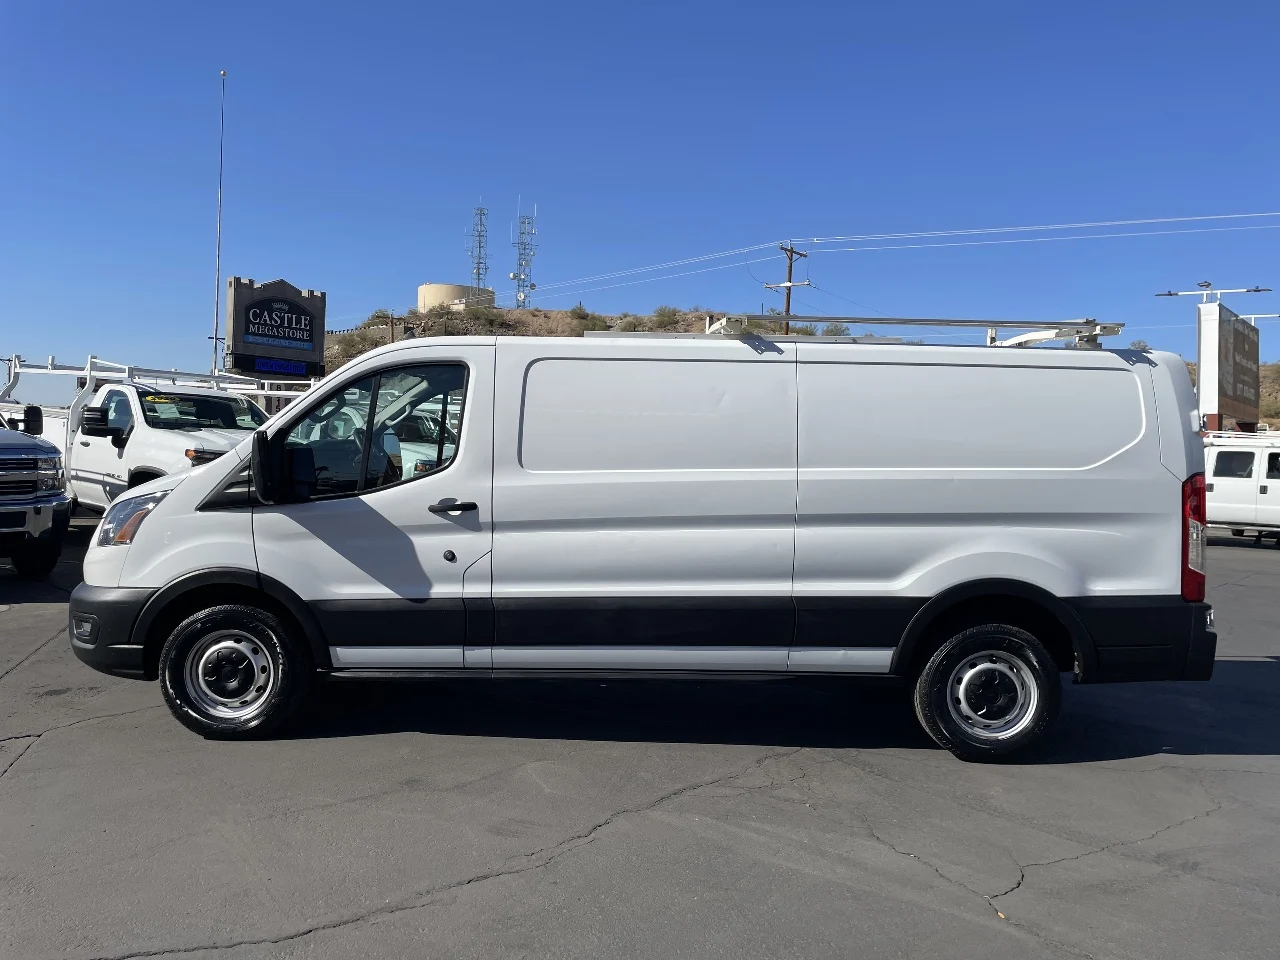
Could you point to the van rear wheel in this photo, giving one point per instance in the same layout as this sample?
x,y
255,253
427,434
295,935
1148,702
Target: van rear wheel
x,y
988,692
233,672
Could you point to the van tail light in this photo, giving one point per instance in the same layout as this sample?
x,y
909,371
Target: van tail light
x,y
1193,521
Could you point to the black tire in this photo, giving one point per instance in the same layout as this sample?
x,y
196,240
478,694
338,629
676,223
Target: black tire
x,y
239,652
35,559
1014,682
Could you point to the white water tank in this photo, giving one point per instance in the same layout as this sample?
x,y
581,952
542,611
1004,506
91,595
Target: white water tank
x,y
456,296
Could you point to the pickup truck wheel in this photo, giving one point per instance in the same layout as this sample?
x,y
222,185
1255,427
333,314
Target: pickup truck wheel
x,y
234,672
35,560
988,693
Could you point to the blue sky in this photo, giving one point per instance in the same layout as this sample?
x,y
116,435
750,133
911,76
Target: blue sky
x,y
359,137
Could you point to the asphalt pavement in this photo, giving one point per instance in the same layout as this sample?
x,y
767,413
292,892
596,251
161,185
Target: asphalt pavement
x,y
589,820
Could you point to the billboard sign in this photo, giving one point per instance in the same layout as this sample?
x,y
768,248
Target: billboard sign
x,y
1229,357
274,329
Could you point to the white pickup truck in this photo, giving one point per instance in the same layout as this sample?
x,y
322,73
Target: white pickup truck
x,y
120,431
1243,482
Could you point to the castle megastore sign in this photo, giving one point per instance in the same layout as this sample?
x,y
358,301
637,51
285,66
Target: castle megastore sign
x,y
278,323
274,329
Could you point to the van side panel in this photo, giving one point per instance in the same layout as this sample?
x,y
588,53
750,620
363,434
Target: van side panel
x,y
921,468
644,495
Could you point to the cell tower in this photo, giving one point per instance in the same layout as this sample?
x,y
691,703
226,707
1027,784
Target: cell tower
x,y
526,247
478,247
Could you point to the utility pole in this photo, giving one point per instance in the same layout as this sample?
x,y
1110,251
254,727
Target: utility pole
x,y
217,257
791,253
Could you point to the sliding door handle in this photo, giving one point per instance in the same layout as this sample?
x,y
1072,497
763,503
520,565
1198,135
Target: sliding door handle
x,y
456,507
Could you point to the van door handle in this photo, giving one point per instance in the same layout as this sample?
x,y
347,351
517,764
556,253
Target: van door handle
x,y
1263,488
1208,488
461,507
84,443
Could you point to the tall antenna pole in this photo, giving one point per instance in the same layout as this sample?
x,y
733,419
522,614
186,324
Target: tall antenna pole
x,y
526,247
217,257
478,248
791,253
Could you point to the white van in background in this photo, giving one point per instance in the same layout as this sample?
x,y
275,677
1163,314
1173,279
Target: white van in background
x,y
1243,482
690,507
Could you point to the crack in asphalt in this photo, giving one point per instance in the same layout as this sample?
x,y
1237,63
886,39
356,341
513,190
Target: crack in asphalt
x,y
32,653
535,860
35,737
24,749
1023,867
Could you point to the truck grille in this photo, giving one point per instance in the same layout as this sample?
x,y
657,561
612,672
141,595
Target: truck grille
x,y
25,463
15,488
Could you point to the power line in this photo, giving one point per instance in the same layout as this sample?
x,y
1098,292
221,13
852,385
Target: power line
x,y
1083,236
1040,227
906,236
670,276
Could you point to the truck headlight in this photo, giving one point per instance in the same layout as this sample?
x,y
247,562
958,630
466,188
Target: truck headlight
x,y
198,457
49,475
122,521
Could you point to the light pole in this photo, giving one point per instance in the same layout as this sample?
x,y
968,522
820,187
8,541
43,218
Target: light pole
x,y
217,257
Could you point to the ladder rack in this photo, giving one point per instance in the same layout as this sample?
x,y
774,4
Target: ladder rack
x,y
96,372
1263,438
1084,333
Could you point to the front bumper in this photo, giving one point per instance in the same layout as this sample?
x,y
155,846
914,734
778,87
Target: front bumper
x,y
43,519
1148,638
100,622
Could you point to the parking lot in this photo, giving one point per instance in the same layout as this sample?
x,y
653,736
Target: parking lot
x,y
550,819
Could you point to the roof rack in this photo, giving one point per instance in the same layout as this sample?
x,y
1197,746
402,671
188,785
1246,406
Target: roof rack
x,y
96,372
1083,333
1263,436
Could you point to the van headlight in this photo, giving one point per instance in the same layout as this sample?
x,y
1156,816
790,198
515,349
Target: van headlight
x,y
49,475
122,521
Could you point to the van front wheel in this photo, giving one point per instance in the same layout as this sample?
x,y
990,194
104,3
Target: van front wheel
x,y
234,672
988,692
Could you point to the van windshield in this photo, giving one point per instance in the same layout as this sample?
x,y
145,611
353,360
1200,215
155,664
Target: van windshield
x,y
184,411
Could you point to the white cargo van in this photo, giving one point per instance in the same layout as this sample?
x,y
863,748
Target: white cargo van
x,y
1243,482
692,507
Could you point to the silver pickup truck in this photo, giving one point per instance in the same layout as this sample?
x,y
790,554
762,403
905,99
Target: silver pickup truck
x,y
34,508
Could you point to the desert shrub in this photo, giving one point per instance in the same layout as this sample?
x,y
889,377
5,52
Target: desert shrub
x,y
665,317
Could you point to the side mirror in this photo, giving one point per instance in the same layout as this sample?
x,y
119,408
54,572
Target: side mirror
x,y
118,438
264,485
32,421
93,422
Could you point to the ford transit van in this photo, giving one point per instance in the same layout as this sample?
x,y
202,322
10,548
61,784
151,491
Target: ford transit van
x,y
976,521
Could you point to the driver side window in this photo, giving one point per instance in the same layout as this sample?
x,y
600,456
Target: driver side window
x,y
397,425
334,433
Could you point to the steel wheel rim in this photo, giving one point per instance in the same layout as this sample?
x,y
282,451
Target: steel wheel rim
x,y
992,694
229,675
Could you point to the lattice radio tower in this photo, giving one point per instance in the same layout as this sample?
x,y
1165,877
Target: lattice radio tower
x,y
526,246
478,247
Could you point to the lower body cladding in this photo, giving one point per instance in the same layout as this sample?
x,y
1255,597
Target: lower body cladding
x,y
730,635
1114,638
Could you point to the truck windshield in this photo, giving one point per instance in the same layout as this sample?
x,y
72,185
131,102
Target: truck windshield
x,y
183,411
